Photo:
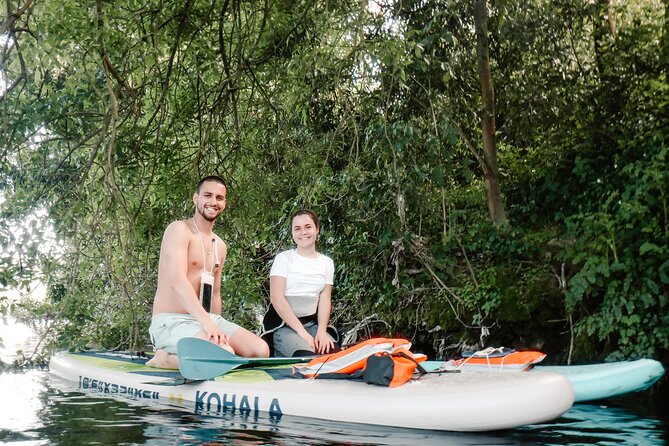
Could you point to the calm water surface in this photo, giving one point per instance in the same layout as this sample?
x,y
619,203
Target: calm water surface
x,y
39,409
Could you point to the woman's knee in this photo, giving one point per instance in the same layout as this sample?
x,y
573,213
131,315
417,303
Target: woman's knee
x,y
287,343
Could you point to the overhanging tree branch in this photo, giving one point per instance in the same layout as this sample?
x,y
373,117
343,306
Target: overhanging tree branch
x,y
22,75
12,17
170,64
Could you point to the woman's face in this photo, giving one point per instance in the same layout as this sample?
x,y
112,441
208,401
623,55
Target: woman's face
x,y
304,231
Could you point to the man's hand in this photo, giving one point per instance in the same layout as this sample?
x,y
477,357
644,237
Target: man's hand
x,y
214,334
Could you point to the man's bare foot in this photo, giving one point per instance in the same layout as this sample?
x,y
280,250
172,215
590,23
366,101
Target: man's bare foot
x,y
163,360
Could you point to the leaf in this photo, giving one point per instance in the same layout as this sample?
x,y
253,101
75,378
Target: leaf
x,y
648,247
663,270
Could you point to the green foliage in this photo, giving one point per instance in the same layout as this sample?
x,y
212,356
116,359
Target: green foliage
x,y
359,115
621,256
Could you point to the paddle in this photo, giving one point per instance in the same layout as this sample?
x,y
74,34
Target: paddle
x,y
201,360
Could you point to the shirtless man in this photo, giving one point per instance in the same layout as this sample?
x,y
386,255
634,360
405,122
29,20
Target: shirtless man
x,y
192,255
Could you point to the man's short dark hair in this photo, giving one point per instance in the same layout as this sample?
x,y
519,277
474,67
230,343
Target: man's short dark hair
x,y
215,178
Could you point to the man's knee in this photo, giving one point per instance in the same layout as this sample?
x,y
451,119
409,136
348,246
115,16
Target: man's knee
x,y
262,350
249,345
257,348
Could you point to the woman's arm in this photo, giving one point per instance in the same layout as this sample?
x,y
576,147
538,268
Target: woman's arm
x,y
323,342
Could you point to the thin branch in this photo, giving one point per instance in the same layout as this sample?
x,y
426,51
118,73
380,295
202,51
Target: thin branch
x,y
22,76
472,148
422,258
69,292
562,284
8,25
170,64
221,40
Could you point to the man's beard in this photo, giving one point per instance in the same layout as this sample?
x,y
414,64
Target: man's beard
x,y
201,211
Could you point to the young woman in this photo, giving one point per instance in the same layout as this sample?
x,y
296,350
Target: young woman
x,y
301,282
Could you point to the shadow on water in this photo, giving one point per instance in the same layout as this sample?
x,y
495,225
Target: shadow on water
x,y
47,410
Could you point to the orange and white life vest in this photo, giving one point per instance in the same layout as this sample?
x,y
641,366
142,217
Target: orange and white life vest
x,y
499,358
353,359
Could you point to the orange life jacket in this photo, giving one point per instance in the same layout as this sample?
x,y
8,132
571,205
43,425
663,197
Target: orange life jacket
x,y
501,358
392,369
353,359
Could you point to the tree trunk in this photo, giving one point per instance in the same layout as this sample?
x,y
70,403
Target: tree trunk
x,y
664,63
489,164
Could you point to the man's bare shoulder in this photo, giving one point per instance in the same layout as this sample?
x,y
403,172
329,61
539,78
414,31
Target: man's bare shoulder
x,y
179,226
178,230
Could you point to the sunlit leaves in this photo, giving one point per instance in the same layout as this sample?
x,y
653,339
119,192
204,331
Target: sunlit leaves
x,y
350,111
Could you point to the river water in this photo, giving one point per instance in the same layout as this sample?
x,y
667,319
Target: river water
x,y
39,409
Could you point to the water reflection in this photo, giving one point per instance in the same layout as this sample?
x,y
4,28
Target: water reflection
x,y
74,418
15,337
21,407
47,410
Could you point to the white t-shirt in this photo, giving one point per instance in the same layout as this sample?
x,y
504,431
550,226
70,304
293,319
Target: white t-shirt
x,y
305,279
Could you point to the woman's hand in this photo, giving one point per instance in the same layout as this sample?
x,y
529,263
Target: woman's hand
x,y
323,342
304,334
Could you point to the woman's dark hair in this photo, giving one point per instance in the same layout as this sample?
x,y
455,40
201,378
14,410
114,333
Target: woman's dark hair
x,y
311,215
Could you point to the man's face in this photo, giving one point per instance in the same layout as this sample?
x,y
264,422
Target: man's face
x,y
210,201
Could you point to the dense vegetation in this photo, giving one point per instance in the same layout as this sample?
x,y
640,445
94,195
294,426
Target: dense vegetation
x,y
369,113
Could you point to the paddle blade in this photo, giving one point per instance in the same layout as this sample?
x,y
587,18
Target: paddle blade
x,y
200,359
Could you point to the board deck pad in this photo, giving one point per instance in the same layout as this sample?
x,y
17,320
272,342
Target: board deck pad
x,y
136,364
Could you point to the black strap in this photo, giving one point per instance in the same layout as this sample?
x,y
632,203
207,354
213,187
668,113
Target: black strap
x,y
271,321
